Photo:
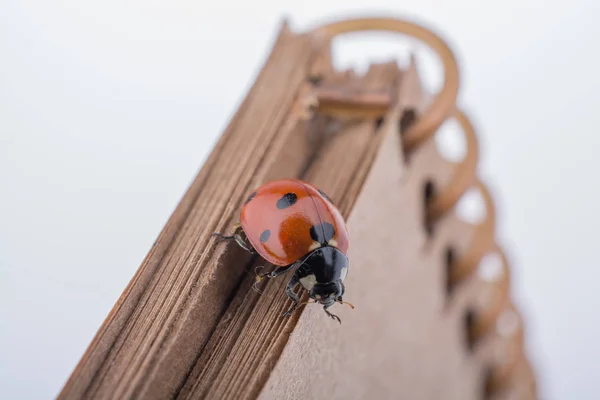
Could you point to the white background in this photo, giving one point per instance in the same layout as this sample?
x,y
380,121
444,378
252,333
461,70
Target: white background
x,y
108,109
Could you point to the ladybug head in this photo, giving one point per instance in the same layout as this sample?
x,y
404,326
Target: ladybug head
x,y
327,293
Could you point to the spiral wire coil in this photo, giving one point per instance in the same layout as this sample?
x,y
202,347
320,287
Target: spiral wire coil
x,y
498,321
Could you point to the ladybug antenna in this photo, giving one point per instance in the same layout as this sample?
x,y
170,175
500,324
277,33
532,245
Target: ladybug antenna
x,y
345,302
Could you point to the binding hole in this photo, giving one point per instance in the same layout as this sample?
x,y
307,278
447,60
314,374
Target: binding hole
x,y
450,256
469,324
428,193
408,118
486,383
315,79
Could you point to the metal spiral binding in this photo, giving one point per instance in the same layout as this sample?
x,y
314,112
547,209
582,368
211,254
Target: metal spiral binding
x,y
497,321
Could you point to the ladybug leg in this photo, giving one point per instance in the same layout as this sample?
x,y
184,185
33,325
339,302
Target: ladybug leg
x,y
332,316
238,239
293,296
242,243
276,272
279,270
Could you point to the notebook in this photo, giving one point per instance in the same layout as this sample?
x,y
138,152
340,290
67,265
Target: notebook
x,y
432,313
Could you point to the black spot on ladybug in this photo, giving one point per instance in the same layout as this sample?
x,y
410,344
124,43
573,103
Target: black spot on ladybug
x,y
288,200
265,236
322,233
322,193
328,231
313,233
250,198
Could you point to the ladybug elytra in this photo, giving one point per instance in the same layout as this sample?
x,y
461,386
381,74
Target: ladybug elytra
x,y
294,225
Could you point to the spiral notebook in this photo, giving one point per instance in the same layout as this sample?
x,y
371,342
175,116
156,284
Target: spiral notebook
x,y
430,322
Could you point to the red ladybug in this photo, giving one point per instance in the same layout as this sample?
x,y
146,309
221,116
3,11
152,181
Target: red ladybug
x,y
292,224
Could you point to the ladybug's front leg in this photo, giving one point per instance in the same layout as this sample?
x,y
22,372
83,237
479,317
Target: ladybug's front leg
x,y
293,296
276,272
332,316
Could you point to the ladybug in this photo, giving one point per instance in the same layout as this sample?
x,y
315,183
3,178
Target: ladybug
x,y
294,225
